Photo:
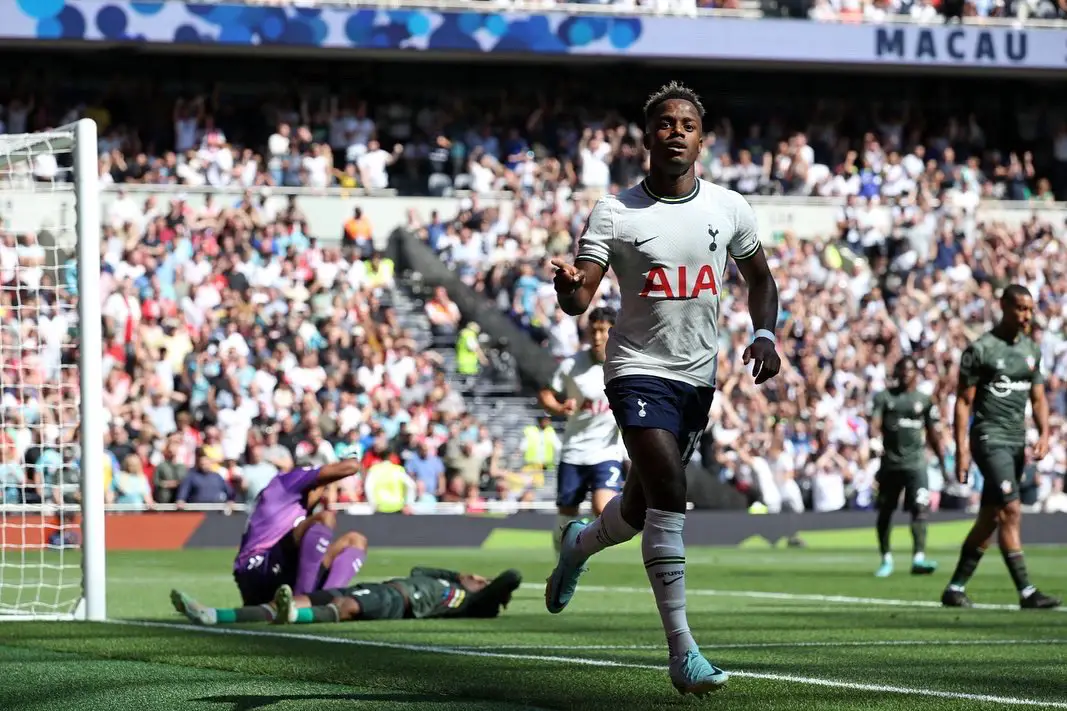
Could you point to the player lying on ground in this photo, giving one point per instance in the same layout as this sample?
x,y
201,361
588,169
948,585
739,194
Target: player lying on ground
x,y
285,544
426,592
590,459
668,241
999,373
907,420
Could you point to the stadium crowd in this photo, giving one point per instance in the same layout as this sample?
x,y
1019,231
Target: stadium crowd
x,y
235,346
543,150
852,304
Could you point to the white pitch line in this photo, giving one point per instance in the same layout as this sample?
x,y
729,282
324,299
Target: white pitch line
x,y
775,645
795,597
584,661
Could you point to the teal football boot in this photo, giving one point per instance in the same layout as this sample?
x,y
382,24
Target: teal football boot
x,y
691,673
570,566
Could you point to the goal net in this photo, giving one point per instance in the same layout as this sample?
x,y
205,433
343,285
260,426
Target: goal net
x,y
51,438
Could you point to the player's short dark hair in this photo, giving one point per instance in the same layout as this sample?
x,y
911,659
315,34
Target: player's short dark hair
x,y
603,314
672,91
1013,292
903,362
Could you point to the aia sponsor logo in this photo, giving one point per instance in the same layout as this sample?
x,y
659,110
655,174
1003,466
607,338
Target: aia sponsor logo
x,y
680,283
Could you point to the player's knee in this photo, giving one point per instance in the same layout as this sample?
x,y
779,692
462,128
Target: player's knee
x,y
354,539
1010,513
633,512
919,512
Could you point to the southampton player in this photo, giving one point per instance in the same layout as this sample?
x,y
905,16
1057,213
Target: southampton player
x,y
425,593
591,456
668,241
906,419
285,544
999,373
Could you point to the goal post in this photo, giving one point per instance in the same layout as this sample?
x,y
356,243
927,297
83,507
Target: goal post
x,y
52,465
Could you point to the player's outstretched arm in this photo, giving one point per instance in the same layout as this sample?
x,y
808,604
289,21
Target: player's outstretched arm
x,y
576,284
335,472
763,308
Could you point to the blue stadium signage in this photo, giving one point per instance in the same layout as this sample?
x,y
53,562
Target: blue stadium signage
x,y
962,45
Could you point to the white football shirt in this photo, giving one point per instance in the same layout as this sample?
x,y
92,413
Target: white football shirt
x,y
669,255
591,435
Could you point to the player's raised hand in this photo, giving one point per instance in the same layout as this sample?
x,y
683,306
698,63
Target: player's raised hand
x,y
764,358
569,278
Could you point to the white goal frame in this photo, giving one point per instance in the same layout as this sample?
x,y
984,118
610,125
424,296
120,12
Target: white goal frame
x,y
80,139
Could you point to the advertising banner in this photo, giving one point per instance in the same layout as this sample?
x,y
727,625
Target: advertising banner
x,y
549,33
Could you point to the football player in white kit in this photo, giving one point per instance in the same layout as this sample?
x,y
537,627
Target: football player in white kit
x,y
590,459
668,241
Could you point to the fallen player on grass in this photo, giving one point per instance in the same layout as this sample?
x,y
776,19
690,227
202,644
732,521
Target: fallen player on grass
x,y
424,593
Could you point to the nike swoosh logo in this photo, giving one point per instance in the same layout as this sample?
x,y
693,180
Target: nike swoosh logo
x,y
638,243
673,580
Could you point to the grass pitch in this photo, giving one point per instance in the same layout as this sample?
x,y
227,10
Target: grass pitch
x,y
807,630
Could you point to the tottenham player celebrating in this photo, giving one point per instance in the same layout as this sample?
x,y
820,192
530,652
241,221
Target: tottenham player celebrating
x,y
667,240
591,456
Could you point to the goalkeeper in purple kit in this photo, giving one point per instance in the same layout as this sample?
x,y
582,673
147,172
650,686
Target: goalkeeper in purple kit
x,y
285,544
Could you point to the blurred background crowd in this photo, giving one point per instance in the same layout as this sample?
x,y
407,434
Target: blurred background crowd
x,y
240,342
924,11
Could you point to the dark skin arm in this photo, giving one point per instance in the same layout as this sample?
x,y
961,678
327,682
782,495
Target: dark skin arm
x,y
961,420
933,439
550,403
337,471
763,308
576,284
1040,404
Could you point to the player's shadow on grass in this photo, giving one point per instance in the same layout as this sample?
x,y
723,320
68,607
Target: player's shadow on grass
x,y
248,702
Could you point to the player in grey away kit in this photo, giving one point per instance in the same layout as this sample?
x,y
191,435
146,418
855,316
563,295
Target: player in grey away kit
x,y
424,593
668,241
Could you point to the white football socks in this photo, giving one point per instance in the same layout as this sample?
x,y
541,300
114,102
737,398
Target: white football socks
x,y
664,554
609,529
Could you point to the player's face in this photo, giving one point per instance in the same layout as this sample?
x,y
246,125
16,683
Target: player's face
x,y
673,137
909,374
598,338
472,583
1019,312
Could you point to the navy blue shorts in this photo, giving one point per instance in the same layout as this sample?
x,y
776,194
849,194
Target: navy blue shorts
x,y
575,481
259,576
649,402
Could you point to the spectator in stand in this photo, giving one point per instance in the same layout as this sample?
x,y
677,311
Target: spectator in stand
x,y
169,470
130,485
358,234
428,472
443,314
204,484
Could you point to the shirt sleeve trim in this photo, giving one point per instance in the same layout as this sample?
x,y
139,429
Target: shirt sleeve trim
x,y
750,254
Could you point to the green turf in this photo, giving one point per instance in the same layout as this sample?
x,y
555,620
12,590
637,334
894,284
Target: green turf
x,y
807,628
